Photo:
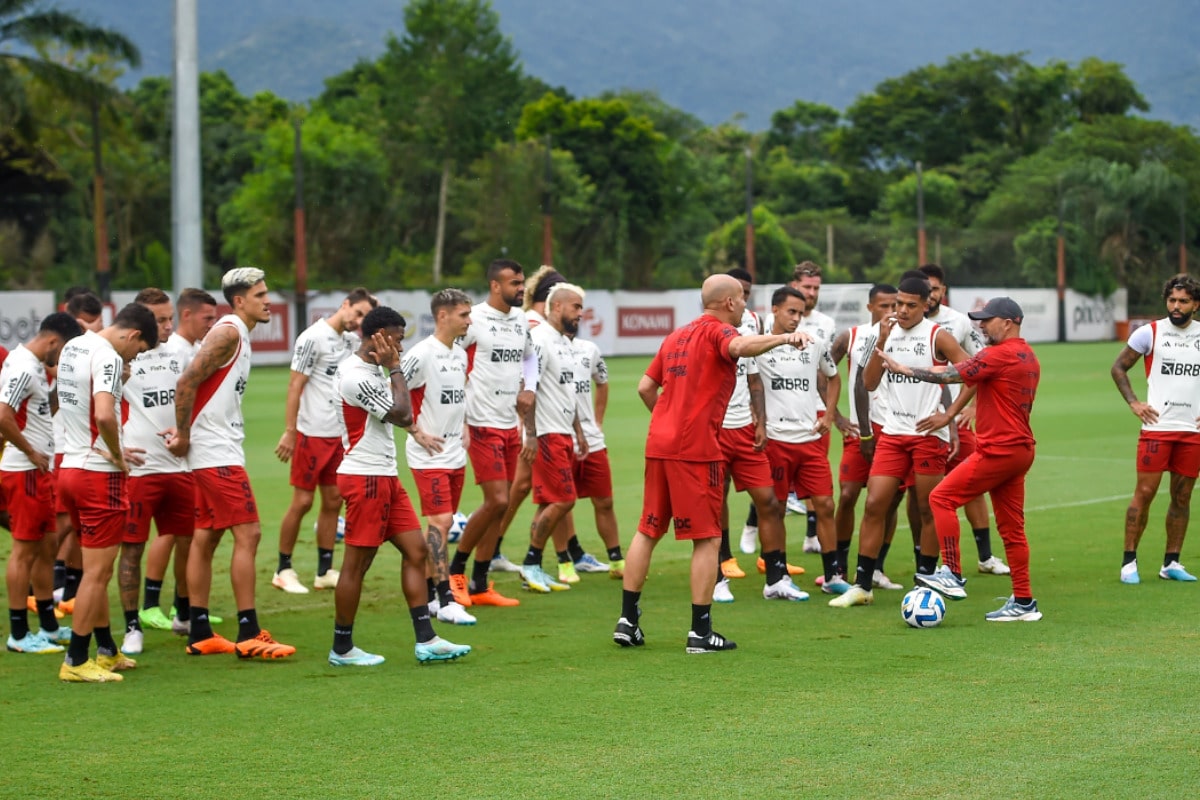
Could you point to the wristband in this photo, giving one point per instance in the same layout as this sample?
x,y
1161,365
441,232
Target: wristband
x,y
395,371
866,438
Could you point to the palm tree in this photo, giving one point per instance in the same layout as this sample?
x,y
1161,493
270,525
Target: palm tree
x,y
28,24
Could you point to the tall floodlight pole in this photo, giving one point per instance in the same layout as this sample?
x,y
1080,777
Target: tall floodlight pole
x,y
921,249
300,240
1061,269
547,213
187,249
750,265
1183,267
99,216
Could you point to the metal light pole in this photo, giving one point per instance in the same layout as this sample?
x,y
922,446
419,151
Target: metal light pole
x,y
187,245
921,249
1183,259
547,215
1061,269
99,216
298,223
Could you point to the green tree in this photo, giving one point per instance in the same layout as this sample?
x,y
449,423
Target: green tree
x,y
775,255
804,130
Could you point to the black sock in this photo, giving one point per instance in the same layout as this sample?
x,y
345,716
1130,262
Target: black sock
x,y
614,554
324,560
1023,600
865,573
479,575
201,628
564,556
917,556
247,624
343,638
430,590
726,553
533,557
153,594
1129,557
831,564
445,596
927,565
499,542
45,610
701,620
752,516
71,586
458,564
422,625
843,557
776,563
811,527
183,608
983,542
285,562
131,621
105,645
883,551
1168,558
575,549
18,622
629,605
60,574
77,650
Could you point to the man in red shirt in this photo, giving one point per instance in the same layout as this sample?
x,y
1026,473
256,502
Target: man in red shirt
x,y
695,369
1005,376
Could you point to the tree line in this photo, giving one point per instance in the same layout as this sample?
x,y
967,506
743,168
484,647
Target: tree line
x,y
424,164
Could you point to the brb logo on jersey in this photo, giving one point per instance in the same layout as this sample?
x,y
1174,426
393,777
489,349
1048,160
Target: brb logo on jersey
x,y
789,384
163,397
453,397
1183,370
507,356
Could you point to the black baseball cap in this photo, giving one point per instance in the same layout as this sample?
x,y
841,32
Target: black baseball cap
x,y
1002,307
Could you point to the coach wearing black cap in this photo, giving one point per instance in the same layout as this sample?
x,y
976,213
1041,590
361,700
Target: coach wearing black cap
x,y
1005,376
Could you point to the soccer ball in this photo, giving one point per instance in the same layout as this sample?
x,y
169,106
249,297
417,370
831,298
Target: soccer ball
x,y
923,608
457,527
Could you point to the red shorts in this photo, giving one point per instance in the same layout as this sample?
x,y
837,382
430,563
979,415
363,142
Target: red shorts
x,y
29,498
854,468
439,489
688,493
750,468
59,508
966,446
493,453
98,503
1177,453
168,498
898,456
223,498
315,461
377,508
554,469
593,476
800,468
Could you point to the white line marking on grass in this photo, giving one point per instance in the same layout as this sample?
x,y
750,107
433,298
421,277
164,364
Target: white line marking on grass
x,y
1092,502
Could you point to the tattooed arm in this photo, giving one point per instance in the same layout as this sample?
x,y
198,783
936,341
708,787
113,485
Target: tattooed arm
x,y
1120,375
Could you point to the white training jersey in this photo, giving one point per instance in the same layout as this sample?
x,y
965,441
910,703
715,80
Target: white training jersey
x,y
148,405
907,400
789,377
496,345
533,318
218,428
1172,357
964,332
25,389
366,398
737,413
183,347
819,326
589,366
858,352
87,366
437,380
556,381
318,351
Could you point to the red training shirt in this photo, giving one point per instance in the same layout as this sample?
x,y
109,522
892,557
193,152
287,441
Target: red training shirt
x,y
697,374
1006,378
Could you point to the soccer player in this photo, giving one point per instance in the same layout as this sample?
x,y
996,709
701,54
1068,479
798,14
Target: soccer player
x,y
554,421
311,440
28,484
377,508
209,430
1170,435
795,436
157,485
686,388
92,483
197,311
499,357
966,334
866,421
1006,376
913,439
435,372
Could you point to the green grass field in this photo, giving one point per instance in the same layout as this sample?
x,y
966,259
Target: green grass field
x,y
1097,700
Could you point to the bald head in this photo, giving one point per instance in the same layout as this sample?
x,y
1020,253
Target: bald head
x,y
719,288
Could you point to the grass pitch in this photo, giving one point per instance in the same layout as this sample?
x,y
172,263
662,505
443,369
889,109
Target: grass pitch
x,y
1096,700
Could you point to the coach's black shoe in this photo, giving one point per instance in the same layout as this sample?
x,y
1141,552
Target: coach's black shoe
x,y
627,634
713,643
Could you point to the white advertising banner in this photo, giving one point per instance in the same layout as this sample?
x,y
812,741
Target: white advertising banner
x,y
1040,307
20,315
1092,318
